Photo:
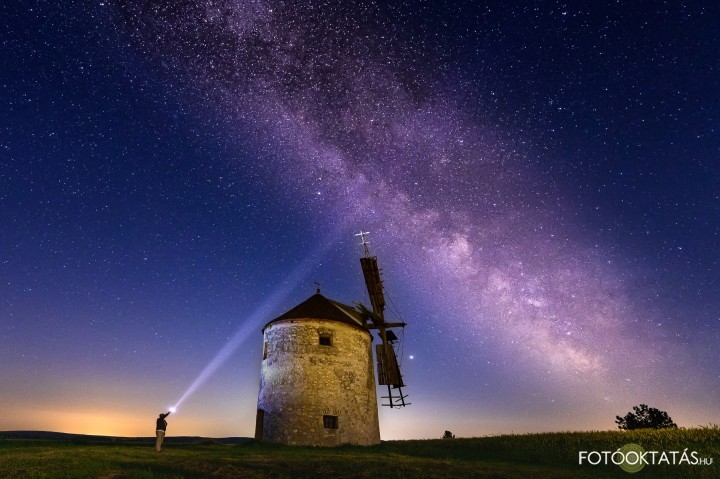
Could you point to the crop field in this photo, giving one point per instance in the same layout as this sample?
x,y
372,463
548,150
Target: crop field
x,y
536,456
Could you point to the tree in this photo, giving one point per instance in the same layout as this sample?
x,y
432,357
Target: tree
x,y
448,435
645,417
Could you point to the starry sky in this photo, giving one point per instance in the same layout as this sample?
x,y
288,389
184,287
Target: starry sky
x,y
540,181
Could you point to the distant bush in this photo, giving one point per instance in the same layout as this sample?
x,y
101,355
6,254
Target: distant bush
x,y
448,435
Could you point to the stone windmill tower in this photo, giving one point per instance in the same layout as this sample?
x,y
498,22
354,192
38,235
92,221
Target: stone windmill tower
x,y
317,383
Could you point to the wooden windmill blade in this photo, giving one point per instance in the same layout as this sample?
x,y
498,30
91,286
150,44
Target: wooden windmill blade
x,y
371,272
387,366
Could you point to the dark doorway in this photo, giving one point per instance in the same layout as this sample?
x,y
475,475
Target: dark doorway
x,y
259,421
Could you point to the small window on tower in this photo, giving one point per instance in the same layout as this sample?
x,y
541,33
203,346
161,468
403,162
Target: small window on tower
x,y
325,340
330,422
265,350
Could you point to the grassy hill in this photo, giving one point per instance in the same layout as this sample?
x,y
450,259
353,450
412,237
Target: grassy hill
x,y
539,456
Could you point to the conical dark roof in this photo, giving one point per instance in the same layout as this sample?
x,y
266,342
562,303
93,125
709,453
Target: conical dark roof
x,y
318,306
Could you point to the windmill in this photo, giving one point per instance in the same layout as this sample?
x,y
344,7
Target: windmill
x,y
388,369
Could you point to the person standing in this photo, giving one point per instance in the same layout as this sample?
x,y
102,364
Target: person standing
x,y
160,427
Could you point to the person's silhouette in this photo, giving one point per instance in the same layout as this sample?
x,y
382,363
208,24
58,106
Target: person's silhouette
x,y
160,427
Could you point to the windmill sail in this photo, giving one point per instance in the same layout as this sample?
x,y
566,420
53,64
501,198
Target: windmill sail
x,y
388,369
371,272
387,366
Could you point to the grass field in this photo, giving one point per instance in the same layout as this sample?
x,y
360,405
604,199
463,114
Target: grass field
x,y
536,456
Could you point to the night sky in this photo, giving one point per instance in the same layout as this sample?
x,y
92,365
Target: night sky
x,y
540,180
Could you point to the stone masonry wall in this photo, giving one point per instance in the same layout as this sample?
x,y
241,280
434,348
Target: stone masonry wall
x,y
302,381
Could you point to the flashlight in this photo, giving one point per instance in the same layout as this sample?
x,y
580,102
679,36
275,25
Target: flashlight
x,y
173,409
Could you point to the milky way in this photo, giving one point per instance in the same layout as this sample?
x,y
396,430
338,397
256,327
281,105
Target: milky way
x,y
473,143
373,124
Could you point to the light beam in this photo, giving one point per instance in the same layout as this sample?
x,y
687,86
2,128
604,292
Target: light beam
x,y
253,322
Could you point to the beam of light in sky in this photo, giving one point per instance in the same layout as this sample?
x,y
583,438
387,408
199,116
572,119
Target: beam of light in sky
x,y
249,326
252,323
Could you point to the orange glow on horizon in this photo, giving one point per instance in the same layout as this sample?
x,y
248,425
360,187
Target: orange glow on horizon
x,y
100,423
119,423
